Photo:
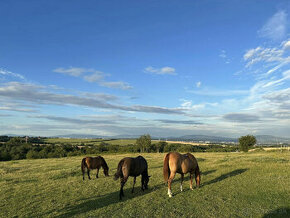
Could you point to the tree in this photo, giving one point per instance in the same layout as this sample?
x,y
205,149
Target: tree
x,y
160,146
144,143
246,141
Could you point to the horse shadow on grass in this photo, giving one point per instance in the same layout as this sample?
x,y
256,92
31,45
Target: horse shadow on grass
x,y
93,203
225,176
280,212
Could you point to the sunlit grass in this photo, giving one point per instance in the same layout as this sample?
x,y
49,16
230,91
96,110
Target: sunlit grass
x,y
233,184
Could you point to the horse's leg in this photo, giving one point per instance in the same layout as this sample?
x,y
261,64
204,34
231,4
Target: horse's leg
x,y
134,181
197,178
123,181
171,177
97,176
89,173
191,179
182,176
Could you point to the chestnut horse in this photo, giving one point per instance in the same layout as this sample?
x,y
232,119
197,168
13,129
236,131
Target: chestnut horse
x,y
175,162
134,167
94,163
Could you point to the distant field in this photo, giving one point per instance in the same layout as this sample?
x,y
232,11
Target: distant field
x,y
255,184
188,143
71,141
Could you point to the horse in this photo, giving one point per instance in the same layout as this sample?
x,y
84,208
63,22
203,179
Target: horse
x,y
134,167
94,163
175,162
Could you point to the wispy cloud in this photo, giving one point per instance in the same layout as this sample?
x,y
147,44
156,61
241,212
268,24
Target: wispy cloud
x,y
93,76
38,95
261,54
217,92
276,27
241,117
10,74
73,71
161,71
224,56
184,122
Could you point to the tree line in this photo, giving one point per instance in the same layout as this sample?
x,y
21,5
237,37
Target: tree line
x,y
16,148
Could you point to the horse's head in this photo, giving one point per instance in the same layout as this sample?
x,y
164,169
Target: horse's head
x,y
106,171
146,180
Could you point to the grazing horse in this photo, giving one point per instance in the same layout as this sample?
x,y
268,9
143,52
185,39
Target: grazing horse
x,y
134,167
175,162
94,163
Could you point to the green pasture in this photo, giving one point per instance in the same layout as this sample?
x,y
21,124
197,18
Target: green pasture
x,y
233,185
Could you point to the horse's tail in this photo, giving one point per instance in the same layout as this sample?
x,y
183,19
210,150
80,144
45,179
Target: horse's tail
x,y
83,165
119,172
197,175
166,169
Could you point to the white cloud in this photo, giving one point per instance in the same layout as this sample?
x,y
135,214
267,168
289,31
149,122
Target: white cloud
x,y
286,44
198,84
39,95
161,71
73,71
223,54
94,76
10,74
276,27
260,54
216,92
286,76
116,85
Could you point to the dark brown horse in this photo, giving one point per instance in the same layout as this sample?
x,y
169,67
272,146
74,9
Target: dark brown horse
x,y
182,164
94,163
134,167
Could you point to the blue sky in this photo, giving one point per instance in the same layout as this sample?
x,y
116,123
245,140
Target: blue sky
x,y
167,68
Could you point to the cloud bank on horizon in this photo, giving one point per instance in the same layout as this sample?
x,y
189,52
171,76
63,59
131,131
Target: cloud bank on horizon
x,y
111,75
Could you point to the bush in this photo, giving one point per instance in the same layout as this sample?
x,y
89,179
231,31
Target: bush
x,y
32,154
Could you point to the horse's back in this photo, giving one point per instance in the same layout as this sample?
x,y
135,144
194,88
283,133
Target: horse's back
x,y
92,162
134,166
182,163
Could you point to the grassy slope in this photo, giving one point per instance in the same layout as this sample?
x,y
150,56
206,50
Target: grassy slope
x,y
233,184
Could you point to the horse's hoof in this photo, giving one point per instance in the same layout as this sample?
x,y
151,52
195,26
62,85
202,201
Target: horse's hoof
x,y
170,196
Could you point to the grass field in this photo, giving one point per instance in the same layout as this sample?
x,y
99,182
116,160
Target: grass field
x,y
233,185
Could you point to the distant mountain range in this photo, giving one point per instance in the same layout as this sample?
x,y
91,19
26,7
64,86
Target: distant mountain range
x,y
261,139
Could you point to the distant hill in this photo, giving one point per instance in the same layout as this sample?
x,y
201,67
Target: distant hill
x,y
269,139
79,136
261,139
203,138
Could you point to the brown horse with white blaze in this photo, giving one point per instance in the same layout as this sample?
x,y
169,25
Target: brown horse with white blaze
x,y
94,163
175,162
